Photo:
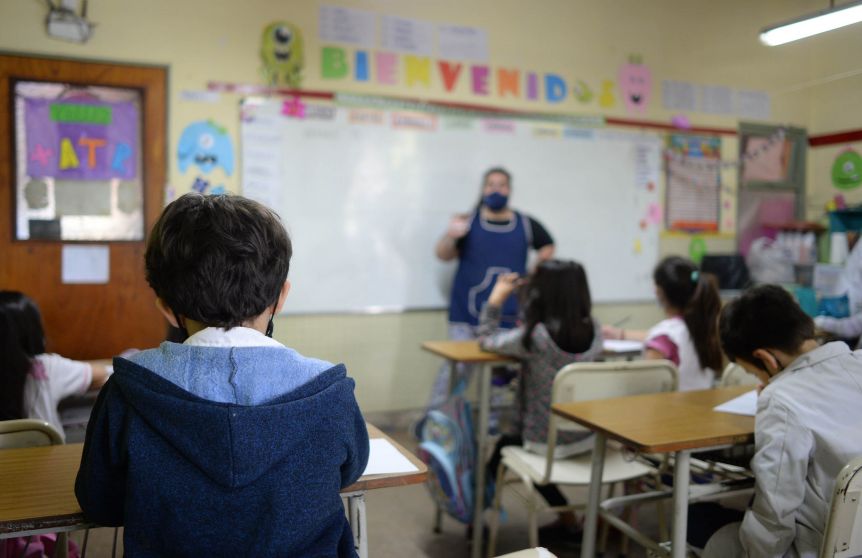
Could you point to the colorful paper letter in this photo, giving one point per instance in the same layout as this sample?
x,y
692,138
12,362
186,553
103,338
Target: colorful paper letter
x,y
68,157
449,73
333,63
385,67
418,69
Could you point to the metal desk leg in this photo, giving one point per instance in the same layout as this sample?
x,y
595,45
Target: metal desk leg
x,y
681,471
358,522
481,442
588,544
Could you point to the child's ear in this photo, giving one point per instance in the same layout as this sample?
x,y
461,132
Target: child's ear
x,y
282,296
768,360
167,312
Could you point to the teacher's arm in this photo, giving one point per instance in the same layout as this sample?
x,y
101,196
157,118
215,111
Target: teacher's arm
x,y
543,242
545,252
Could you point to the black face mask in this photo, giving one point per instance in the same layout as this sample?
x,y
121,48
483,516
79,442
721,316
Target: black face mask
x,y
270,326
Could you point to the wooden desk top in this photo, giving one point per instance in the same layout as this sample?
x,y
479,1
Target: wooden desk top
x,y
469,351
665,422
37,485
372,482
463,351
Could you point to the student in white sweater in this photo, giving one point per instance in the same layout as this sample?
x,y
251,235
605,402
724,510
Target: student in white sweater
x,y
33,382
806,428
688,336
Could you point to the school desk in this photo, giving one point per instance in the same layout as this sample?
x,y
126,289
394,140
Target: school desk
x,y
37,493
670,422
469,352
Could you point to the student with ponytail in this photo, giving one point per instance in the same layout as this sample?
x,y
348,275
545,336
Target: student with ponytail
x,y
688,337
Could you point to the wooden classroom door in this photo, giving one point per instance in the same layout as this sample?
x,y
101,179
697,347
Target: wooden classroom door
x,y
82,175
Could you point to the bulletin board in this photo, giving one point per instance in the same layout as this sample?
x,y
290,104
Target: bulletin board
x,y
366,191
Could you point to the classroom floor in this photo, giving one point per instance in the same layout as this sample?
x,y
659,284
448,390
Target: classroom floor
x,y
400,520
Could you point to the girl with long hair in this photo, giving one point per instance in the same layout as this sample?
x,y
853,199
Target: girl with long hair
x,y
32,382
557,329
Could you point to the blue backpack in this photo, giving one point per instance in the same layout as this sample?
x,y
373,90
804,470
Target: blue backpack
x,y
447,445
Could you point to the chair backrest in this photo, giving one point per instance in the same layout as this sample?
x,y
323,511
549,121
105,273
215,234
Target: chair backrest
x,y
25,433
735,375
586,381
843,535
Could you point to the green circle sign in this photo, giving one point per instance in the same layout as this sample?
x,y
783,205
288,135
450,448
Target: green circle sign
x,y
847,170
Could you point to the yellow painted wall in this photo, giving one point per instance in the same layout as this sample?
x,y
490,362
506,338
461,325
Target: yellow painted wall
x,y
700,41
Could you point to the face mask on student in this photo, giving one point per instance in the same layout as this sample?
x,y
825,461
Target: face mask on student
x,y
495,201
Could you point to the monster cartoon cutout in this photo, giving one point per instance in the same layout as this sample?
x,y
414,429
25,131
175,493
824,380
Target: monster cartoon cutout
x,y
281,54
847,170
207,146
635,84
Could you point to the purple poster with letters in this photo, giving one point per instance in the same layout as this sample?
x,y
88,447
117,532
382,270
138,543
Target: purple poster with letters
x,y
77,139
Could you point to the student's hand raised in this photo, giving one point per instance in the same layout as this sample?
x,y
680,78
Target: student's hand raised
x,y
506,283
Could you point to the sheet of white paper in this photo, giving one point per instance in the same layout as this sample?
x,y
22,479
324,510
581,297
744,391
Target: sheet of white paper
x,y
413,36
86,264
745,404
753,104
716,99
678,95
261,168
459,42
196,96
622,346
344,25
384,458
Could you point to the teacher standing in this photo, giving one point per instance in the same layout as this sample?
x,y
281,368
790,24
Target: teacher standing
x,y
493,240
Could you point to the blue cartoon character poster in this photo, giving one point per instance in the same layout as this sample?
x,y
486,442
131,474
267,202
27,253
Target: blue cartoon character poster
x,y
206,146
281,54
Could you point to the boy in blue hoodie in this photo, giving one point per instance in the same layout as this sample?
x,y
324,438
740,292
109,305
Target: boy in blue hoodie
x,y
229,444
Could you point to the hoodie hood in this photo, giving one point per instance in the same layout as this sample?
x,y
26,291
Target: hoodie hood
x,y
196,428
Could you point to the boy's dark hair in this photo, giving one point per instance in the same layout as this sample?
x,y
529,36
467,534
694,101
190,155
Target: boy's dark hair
x,y
558,296
763,317
695,294
21,339
219,260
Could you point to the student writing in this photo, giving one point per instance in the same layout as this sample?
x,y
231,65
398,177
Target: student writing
x,y
688,337
806,428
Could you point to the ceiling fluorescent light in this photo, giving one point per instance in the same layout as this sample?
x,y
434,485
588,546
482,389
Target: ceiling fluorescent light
x,y
813,24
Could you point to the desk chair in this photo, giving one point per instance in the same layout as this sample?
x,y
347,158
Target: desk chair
x,y
581,381
843,537
735,375
530,553
27,433
30,433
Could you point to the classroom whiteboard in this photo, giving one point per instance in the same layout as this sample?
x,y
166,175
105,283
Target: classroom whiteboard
x,y
366,192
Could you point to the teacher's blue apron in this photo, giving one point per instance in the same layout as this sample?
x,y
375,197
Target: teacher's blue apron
x,y
488,250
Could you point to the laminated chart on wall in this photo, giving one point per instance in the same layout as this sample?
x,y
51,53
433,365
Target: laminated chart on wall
x,y
78,163
693,183
367,189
